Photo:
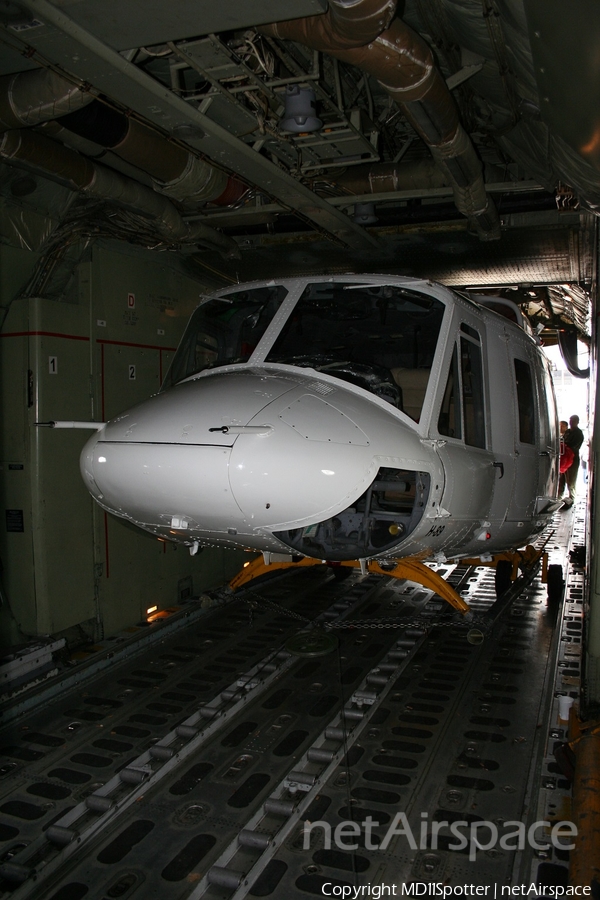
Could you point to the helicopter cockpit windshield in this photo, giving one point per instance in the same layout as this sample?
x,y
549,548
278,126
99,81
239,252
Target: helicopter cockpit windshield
x,y
381,338
225,330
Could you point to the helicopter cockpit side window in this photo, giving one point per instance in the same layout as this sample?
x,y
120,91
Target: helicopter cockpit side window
x,y
450,419
225,330
382,338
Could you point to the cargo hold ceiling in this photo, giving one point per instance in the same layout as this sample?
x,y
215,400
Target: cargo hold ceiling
x,y
140,23
440,143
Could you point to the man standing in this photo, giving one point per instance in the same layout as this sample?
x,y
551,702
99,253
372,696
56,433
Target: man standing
x,y
573,438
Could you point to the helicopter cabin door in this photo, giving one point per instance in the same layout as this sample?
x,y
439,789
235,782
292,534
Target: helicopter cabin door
x,y
462,426
548,438
527,431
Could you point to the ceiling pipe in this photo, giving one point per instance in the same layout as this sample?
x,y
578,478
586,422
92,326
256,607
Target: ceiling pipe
x,y
364,33
351,18
59,163
61,135
175,172
383,178
30,98
41,95
53,130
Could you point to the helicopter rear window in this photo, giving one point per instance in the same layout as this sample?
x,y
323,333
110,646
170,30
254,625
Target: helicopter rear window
x,y
225,330
382,338
525,402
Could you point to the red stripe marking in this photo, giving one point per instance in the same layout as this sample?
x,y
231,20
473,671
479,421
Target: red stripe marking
x,y
69,337
131,344
79,337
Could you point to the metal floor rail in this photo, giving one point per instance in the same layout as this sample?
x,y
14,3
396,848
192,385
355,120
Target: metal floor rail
x,y
192,769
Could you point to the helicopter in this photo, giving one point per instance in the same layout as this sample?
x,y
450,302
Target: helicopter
x,y
343,419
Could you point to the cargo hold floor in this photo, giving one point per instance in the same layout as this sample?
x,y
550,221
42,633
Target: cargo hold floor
x,y
242,755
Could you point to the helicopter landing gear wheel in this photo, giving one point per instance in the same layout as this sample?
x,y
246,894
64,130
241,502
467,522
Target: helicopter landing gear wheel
x,y
503,579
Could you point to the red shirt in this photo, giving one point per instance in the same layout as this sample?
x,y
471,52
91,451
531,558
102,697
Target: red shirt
x,y
566,457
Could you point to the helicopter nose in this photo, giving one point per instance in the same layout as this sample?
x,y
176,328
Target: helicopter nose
x,y
244,453
167,459
324,450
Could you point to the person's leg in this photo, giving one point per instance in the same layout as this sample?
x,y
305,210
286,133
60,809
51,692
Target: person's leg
x,y
572,479
561,485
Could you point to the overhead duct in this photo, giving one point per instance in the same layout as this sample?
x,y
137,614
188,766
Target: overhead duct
x,y
386,177
56,132
174,171
94,180
364,33
40,95
30,98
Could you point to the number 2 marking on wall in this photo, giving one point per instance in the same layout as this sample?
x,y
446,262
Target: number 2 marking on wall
x,y
132,373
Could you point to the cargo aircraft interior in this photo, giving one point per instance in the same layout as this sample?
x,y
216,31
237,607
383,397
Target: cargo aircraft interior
x,y
299,576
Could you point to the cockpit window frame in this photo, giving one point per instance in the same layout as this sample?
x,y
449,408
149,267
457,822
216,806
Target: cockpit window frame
x,y
435,294
296,288
272,329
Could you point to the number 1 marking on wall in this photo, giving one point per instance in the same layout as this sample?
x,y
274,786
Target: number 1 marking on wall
x,y
53,365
